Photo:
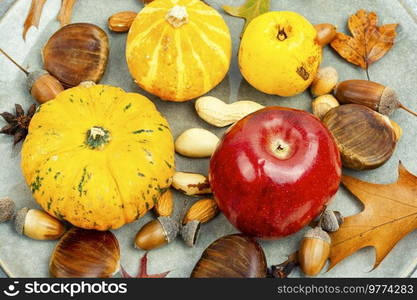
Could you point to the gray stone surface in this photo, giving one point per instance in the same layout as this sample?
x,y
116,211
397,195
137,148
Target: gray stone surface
x,y
24,257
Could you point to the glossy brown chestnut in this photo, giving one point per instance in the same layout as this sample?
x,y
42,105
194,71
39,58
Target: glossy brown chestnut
x,y
85,253
232,256
76,53
365,138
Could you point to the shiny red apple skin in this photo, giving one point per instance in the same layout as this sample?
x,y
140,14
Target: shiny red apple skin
x,y
267,197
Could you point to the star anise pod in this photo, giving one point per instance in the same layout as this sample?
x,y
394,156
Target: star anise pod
x,y
284,269
18,123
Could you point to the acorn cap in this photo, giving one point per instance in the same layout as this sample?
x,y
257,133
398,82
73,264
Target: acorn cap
x,y
330,222
318,233
339,217
7,207
190,232
170,227
389,102
19,221
33,77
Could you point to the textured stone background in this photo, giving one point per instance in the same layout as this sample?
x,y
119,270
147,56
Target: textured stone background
x,y
410,4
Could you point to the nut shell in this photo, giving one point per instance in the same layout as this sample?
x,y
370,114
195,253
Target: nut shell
x,y
76,53
325,81
220,114
191,184
232,256
121,21
203,211
322,104
85,254
365,138
196,142
165,205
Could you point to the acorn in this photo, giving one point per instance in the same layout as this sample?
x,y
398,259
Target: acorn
x,y
121,21
7,208
232,256
42,85
371,94
331,220
77,52
38,225
157,233
365,138
325,33
203,211
314,251
85,253
165,205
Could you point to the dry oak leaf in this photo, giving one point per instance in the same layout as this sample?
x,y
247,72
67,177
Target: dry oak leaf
x,y
248,11
369,42
390,213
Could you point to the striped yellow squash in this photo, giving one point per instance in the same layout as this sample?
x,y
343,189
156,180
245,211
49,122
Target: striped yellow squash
x,y
98,157
178,49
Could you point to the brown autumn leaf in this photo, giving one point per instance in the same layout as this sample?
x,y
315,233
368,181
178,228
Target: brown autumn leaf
x,y
368,43
33,16
248,11
390,213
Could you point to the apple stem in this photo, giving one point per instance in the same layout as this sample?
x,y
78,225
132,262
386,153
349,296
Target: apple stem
x,y
281,149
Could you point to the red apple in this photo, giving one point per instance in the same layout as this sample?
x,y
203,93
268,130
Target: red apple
x,y
274,171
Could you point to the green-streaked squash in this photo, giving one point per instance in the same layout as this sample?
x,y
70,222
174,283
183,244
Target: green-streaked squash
x,y
98,157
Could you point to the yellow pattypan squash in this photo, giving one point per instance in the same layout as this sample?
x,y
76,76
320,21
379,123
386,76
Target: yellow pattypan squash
x,y
178,49
279,53
98,157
